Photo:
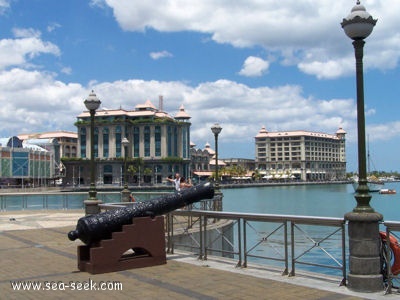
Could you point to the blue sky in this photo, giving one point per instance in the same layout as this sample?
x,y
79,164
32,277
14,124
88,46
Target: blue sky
x,y
285,65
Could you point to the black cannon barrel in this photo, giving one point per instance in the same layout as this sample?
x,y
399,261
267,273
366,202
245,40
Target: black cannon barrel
x,y
93,228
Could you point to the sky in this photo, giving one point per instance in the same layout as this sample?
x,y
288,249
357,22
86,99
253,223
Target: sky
x,y
286,65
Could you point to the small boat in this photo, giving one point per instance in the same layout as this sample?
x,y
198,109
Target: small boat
x,y
387,191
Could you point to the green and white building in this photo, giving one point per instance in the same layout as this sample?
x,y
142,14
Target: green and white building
x,y
159,145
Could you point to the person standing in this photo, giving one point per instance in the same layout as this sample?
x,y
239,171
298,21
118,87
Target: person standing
x,y
185,184
176,181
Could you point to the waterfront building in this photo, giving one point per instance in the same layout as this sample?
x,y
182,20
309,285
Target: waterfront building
x,y
203,161
67,140
159,145
301,155
25,164
247,164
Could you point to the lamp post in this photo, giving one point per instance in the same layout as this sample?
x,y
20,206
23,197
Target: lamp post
x,y
364,241
92,103
125,192
216,129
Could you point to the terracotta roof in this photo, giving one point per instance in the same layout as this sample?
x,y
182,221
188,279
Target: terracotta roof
x,y
48,135
264,133
182,114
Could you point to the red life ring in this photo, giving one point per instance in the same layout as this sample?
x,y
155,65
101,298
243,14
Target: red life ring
x,y
395,247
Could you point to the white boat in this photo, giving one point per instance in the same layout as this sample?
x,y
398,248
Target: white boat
x,y
387,191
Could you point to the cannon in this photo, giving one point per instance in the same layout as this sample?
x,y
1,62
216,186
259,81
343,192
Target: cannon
x,y
94,228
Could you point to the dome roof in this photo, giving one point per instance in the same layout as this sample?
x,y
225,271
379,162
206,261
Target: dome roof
x,y
182,114
340,131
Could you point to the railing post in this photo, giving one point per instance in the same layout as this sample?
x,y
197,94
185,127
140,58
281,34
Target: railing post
x,y
205,238
292,271
285,272
201,237
388,266
240,241
244,243
344,265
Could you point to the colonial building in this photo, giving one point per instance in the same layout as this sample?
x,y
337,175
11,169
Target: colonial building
x,y
203,162
159,145
303,155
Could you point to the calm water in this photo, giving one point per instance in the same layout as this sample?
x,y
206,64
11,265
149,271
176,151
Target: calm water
x,y
331,200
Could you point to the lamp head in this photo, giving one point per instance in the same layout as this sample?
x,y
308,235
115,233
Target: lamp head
x,y
92,102
359,23
125,142
216,129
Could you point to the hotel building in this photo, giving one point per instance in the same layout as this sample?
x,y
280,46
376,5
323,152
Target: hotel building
x,y
302,155
159,145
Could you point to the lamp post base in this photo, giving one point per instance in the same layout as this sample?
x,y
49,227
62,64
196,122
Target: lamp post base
x,y
364,248
125,193
92,206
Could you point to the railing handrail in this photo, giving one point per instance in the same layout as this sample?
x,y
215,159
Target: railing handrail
x,y
392,225
312,220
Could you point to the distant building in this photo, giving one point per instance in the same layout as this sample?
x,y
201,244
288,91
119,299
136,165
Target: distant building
x,y
245,163
303,155
159,145
203,161
24,164
67,140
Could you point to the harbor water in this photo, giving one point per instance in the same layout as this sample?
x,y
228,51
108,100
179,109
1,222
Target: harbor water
x,y
325,200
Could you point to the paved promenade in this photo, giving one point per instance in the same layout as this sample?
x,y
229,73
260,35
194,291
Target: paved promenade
x,y
36,253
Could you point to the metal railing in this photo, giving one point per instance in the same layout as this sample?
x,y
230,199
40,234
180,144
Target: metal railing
x,y
213,229
392,229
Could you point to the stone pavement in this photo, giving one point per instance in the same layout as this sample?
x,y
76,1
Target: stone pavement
x,y
35,253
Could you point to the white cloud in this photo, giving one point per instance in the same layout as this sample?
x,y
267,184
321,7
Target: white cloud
x,y
305,33
20,51
34,101
30,100
53,26
254,66
26,33
160,54
383,132
66,70
4,6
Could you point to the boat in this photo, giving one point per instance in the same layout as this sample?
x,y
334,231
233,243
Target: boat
x,y
387,191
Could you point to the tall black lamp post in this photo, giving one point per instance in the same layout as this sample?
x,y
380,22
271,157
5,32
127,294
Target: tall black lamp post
x,y
125,192
364,241
216,130
92,103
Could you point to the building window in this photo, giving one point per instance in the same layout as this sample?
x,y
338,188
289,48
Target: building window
x,y
83,142
147,141
184,142
169,137
105,142
157,140
136,140
118,141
